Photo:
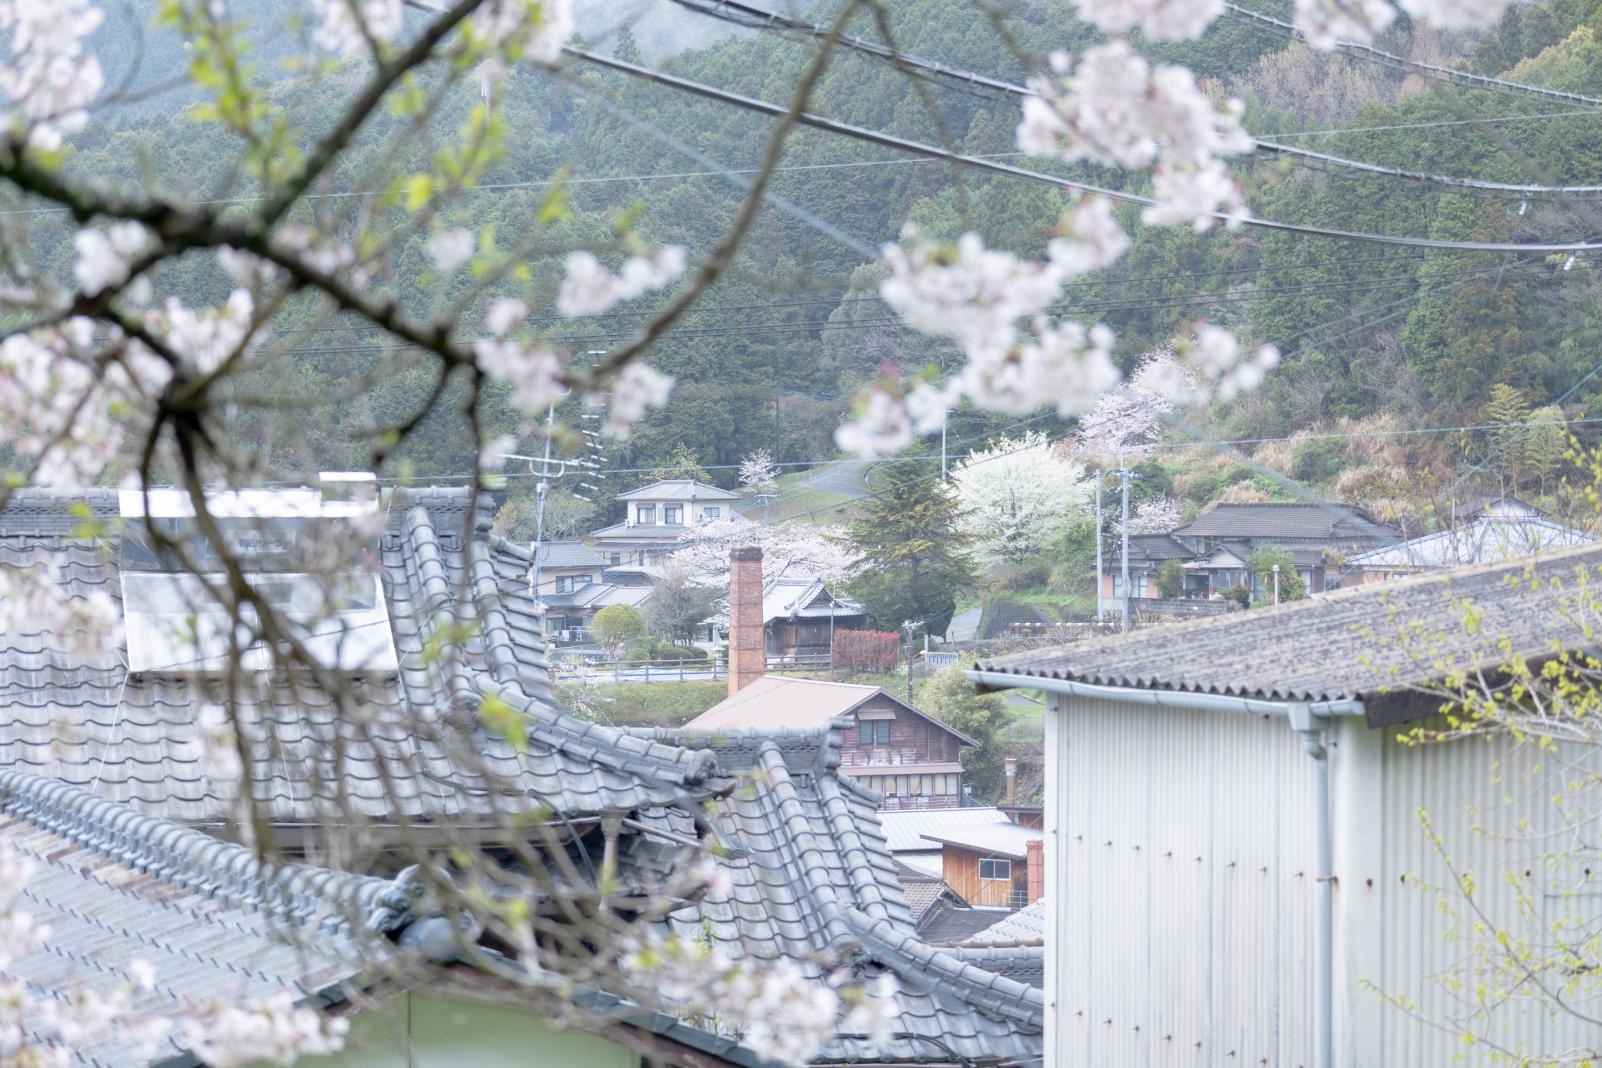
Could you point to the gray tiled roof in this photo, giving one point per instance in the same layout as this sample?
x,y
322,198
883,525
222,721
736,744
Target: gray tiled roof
x,y
1326,521
1343,644
211,920
138,736
679,489
564,554
1028,924
817,880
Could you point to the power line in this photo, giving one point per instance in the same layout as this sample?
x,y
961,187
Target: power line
x,y
759,18
891,141
1429,70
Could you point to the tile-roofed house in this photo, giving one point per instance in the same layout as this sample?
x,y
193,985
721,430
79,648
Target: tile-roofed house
x,y
801,615
891,746
1236,792
679,489
812,877
1213,549
211,921
1324,523
906,830
1026,927
815,874
137,728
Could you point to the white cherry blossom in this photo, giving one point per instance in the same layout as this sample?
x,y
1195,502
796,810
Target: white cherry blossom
x,y
273,1029
1089,240
882,427
39,600
205,337
1325,23
1115,108
1214,354
503,315
340,32
536,29
1066,365
533,371
449,249
967,292
102,260
637,389
48,73
1160,20
1456,14
588,288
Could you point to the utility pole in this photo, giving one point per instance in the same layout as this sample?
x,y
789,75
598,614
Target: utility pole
x,y
548,469
907,626
1098,546
1123,563
944,411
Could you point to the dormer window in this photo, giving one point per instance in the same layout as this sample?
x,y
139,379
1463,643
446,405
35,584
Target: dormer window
x,y
673,514
645,514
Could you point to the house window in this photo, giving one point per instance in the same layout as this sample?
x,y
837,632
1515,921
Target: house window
x,y
873,732
615,558
645,514
562,583
997,870
672,514
711,511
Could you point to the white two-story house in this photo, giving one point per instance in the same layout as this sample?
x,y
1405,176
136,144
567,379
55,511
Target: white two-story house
x,y
658,516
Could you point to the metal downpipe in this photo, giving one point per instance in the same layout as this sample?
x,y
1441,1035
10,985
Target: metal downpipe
x,y
1311,730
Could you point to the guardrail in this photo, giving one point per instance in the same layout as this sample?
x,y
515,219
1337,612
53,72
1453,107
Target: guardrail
x,y
680,671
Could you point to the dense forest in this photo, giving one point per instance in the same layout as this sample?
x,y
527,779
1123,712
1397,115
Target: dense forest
x,y
1374,337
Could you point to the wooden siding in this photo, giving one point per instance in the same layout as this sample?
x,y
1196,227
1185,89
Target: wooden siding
x,y
960,869
807,637
914,740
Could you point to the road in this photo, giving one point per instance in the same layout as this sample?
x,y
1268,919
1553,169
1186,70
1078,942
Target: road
x,y
848,478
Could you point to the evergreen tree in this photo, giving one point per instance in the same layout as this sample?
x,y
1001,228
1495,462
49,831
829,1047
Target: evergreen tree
x,y
683,463
1507,412
908,544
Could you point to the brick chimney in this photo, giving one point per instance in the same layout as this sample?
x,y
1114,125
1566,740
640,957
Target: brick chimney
x,y
748,656
1035,860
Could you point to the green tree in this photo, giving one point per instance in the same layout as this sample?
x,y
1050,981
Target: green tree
x,y
907,543
683,463
1171,578
984,717
1545,441
615,626
1261,564
1507,411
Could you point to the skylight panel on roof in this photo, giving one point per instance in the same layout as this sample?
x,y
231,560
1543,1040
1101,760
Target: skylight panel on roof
x,y
176,625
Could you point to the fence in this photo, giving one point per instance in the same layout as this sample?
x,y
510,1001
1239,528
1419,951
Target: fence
x,y
713,668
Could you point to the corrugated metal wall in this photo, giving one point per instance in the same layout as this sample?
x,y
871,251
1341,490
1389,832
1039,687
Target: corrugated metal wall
x,y
1183,932
1492,804
1186,888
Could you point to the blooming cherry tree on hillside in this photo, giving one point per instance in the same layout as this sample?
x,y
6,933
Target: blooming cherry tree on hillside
x,y
1017,494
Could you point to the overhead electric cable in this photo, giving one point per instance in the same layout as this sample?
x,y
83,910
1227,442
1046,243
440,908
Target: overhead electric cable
x,y
758,18
1429,70
860,133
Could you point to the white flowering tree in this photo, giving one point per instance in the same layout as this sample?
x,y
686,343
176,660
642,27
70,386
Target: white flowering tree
x,y
1017,494
757,472
115,371
790,549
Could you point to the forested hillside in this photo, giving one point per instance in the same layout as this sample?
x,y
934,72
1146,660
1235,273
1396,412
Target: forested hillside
x,y
1372,336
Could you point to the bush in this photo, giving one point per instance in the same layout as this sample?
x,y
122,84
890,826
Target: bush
x,y
656,651
1319,460
867,651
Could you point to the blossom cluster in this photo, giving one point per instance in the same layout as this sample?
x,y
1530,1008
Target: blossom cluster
x,y
1115,108
780,1011
533,370
588,288
273,1029
49,75
33,601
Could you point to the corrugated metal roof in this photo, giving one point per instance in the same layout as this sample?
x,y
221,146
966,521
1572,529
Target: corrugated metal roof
x,y
1343,644
905,829
1003,839
779,701
1487,539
